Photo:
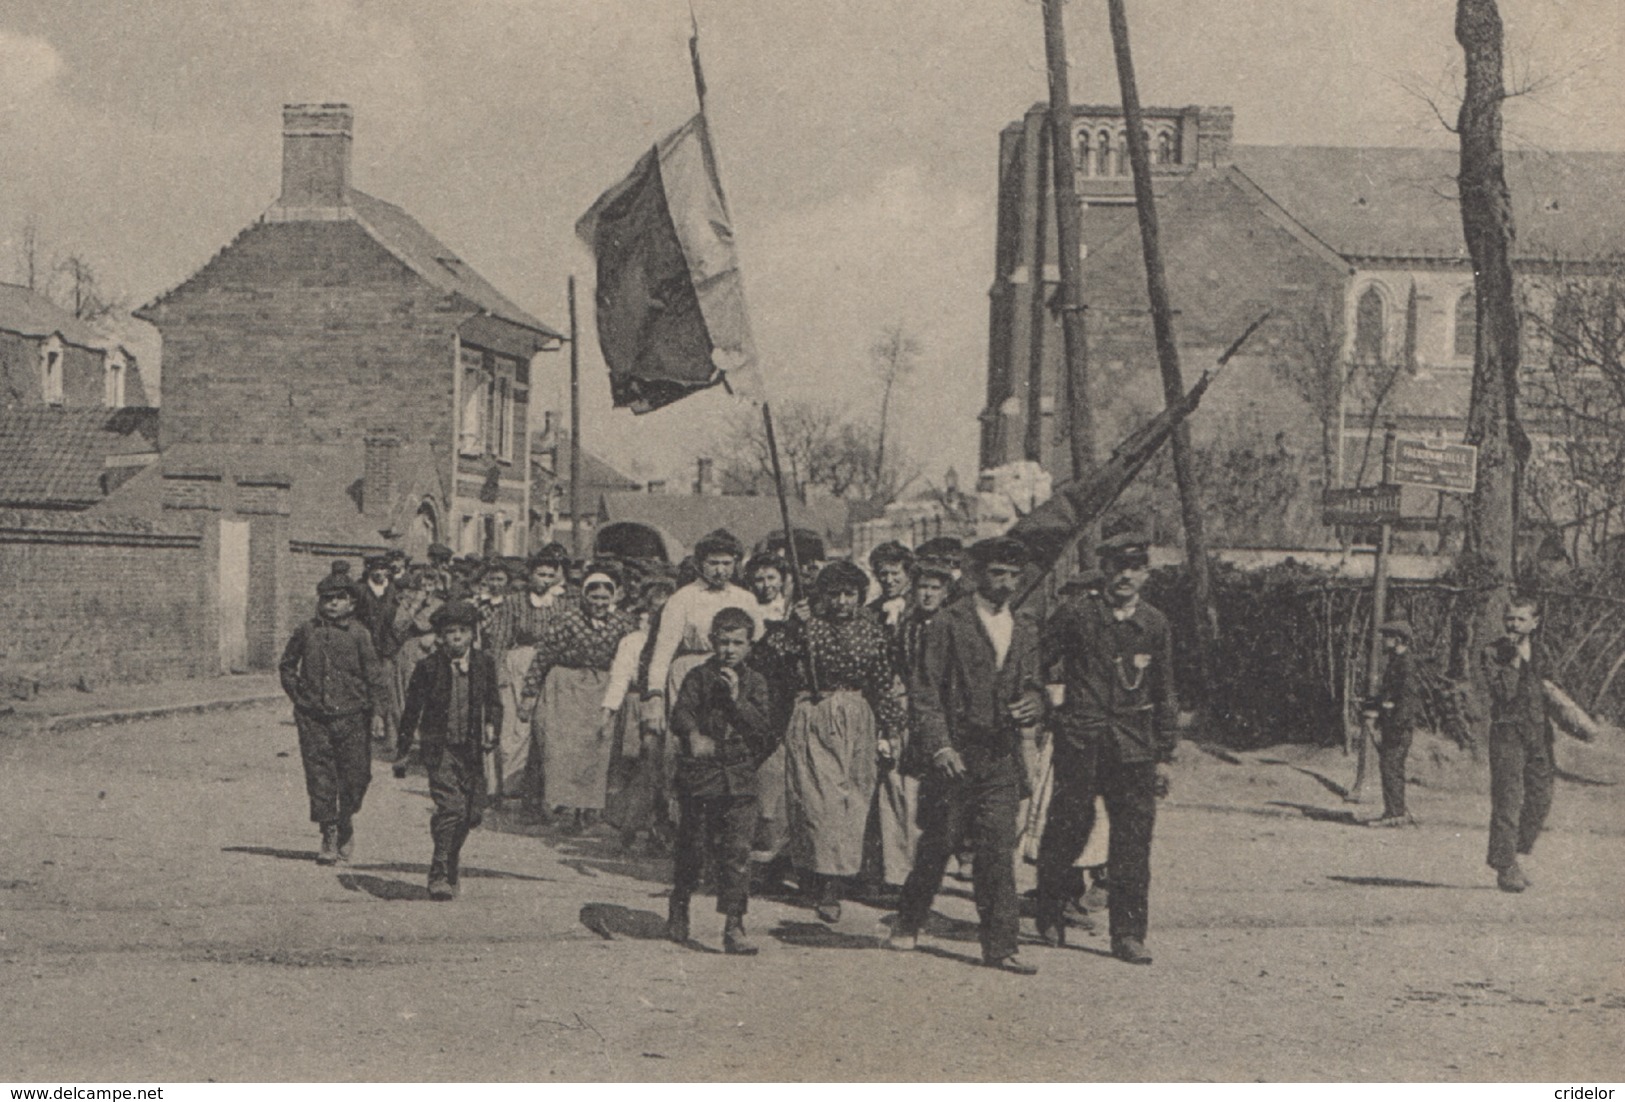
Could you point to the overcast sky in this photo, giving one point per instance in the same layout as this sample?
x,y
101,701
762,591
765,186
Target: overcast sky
x,y
856,138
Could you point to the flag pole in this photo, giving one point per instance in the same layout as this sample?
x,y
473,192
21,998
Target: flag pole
x,y
767,413
575,426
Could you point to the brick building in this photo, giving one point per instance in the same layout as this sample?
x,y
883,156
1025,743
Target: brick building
x,y
336,321
1357,251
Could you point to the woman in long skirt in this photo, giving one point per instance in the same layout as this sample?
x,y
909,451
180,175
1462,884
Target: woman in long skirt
x,y
564,695
837,734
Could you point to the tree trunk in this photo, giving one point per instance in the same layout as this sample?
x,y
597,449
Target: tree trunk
x,y
1489,548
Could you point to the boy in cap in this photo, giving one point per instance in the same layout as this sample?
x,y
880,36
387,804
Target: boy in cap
x,y
1115,735
1393,714
332,674
723,729
453,700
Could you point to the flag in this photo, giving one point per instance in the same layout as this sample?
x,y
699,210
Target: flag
x,y
670,301
1050,528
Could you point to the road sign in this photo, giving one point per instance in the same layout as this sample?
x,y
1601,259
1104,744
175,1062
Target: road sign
x,y
1438,466
1360,505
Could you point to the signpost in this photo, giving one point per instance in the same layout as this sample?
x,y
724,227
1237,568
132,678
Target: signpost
x,y
1360,505
1436,465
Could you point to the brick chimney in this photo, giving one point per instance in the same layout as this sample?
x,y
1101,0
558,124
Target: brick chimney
x,y
316,154
379,472
705,480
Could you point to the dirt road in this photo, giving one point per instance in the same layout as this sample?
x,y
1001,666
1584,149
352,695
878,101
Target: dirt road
x,y
161,918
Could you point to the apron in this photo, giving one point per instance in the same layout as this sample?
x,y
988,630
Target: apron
x,y
830,772
575,761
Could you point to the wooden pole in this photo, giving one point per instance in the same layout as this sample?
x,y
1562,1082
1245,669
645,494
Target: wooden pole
x,y
1379,613
1162,321
789,533
575,427
1068,236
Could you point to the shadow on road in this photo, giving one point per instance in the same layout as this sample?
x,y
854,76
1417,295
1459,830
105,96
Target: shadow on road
x,y
1390,882
611,920
379,888
1575,778
815,935
1320,814
405,868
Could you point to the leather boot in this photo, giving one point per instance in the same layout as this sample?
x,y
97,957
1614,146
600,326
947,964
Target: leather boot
x,y
345,839
329,853
734,939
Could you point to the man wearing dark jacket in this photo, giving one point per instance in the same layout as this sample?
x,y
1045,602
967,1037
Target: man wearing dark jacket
x,y
1115,733
453,701
332,674
1394,715
977,684
378,599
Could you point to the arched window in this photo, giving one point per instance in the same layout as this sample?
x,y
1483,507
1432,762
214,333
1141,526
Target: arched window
x,y
1103,154
1122,154
1085,165
1369,327
1165,148
1567,323
1467,325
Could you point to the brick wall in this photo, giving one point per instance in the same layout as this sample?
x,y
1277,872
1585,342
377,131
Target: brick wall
x,y
306,331
103,598
82,381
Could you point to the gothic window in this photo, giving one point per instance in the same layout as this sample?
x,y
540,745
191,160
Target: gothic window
x,y
1103,154
1466,325
1085,165
1369,325
1122,154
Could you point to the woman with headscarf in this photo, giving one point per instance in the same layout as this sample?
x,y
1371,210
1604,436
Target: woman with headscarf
x,y
837,735
564,692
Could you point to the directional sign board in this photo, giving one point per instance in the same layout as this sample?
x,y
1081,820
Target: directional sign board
x,y
1438,466
1360,505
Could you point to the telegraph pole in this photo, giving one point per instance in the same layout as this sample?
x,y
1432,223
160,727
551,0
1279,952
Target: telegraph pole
x,y
1162,321
1068,235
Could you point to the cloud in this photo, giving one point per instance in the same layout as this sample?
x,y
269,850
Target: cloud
x,y
27,64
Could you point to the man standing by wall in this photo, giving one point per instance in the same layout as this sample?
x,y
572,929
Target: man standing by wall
x,y
1114,737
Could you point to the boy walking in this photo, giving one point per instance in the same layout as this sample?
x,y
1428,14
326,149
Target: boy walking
x,y
332,674
723,731
454,701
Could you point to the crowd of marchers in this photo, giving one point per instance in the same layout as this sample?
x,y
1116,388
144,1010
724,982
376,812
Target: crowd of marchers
x,y
775,730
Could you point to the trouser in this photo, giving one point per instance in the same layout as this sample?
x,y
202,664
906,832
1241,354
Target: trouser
x,y
723,825
981,805
338,763
456,783
1396,745
1128,788
1521,771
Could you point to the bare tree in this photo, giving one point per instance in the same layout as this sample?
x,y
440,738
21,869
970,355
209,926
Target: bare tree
x,y
83,292
1486,217
819,447
31,268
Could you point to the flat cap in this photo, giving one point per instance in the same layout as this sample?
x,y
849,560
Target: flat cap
x,y
335,583
375,562
1399,628
1000,549
1131,548
940,547
439,552
454,614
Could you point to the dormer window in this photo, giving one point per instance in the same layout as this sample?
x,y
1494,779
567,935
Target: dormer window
x,y
51,370
113,379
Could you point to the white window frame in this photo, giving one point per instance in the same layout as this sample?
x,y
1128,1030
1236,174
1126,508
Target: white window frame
x,y
114,375
471,427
